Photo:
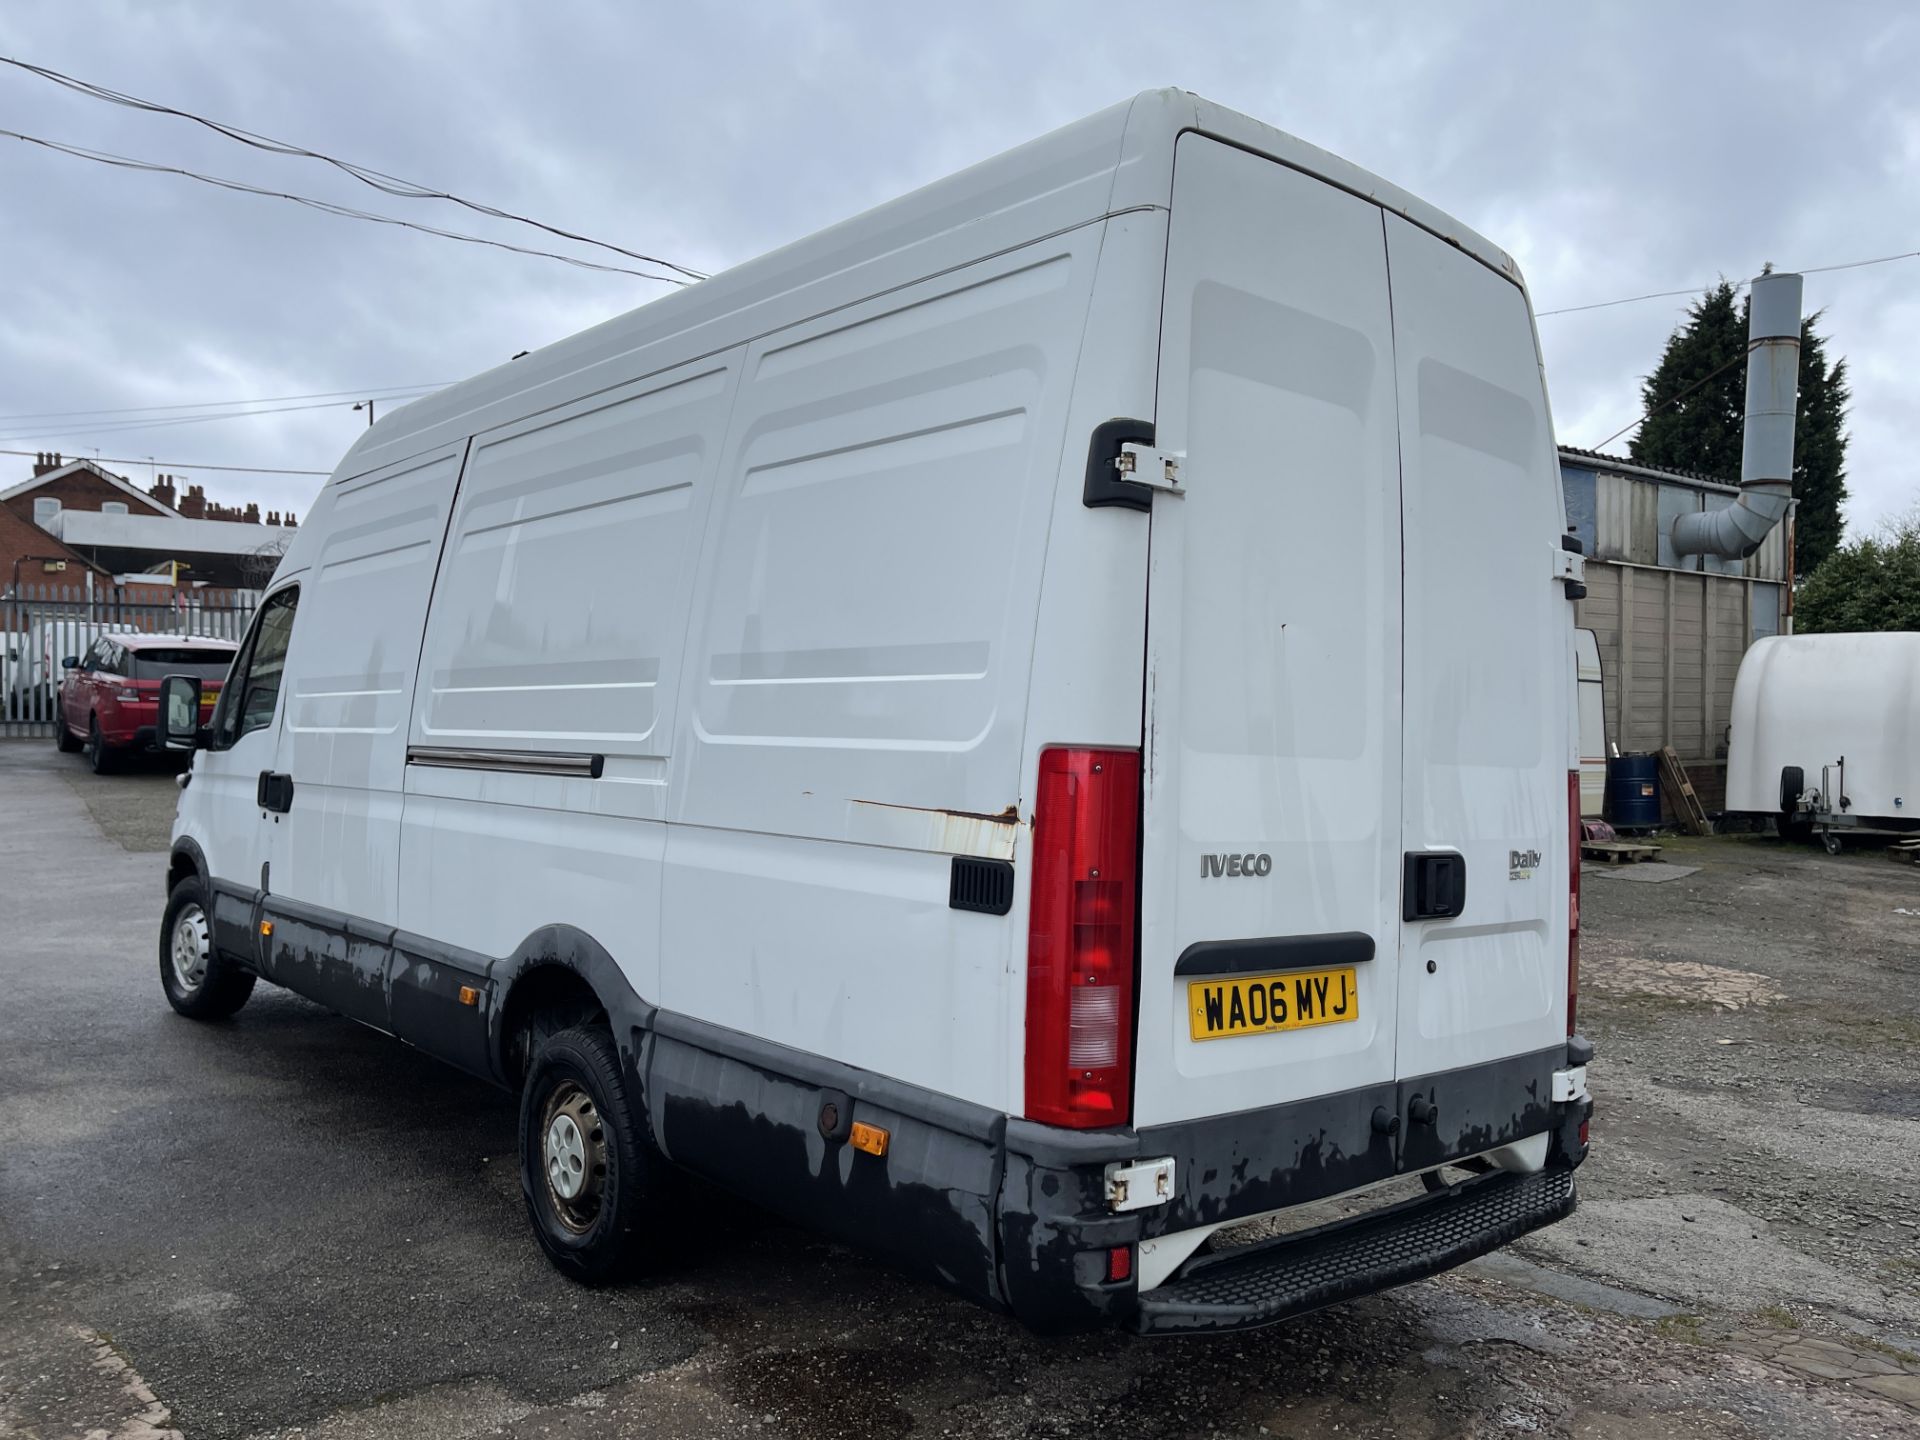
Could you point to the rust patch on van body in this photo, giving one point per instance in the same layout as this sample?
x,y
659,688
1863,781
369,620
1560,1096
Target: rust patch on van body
x,y
950,832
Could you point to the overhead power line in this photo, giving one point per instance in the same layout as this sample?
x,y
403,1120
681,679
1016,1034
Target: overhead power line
x,y
1674,399
181,464
168,422
378,392
1624,300
1701,289
366,175
124,162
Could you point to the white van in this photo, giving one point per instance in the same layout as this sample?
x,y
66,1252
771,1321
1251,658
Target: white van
x,y
1018,731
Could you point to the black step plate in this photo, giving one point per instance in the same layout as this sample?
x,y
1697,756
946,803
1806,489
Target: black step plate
x,y
1293,1274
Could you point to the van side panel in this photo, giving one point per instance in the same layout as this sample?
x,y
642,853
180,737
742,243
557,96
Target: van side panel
x,y
857,671
1091,628
557,626
348,688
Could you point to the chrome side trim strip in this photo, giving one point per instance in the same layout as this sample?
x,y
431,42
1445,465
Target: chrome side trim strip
x,y
522,762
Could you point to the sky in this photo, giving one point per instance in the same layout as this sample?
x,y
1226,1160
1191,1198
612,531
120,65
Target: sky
x,y
1612,149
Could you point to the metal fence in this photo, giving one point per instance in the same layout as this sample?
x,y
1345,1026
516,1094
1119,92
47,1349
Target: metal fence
x,y
42,625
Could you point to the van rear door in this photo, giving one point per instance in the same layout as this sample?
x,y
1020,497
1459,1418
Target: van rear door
x,y
1359,681
1271,834
1489,681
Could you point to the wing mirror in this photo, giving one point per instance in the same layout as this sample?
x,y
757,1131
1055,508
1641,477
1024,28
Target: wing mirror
x,y
69,662
180,713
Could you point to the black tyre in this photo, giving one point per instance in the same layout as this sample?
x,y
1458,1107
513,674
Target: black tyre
x,y
584,1163
99,754
63,740
199,984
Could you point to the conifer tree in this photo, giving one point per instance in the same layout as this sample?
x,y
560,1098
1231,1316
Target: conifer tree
x,y
1701,430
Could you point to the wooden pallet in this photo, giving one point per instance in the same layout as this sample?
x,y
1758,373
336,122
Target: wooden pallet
x,y
1619,852
1693,816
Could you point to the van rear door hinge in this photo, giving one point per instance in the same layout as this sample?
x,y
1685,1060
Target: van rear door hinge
x,y
1151,469
1570,567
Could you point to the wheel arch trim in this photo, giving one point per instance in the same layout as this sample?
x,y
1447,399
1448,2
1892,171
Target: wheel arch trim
x,y
186,847
565,947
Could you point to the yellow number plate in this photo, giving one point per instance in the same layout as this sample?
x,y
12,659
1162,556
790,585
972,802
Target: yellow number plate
x,y
1261,1004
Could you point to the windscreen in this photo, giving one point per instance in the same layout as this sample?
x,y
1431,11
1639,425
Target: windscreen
x,y
202,664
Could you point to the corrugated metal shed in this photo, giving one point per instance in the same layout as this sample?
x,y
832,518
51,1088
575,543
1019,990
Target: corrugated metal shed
x,y
1671,630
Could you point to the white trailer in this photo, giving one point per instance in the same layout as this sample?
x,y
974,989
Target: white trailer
x,y
1825,733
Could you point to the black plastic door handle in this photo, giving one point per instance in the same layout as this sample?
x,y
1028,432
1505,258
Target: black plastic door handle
x,y
1434,885
275,792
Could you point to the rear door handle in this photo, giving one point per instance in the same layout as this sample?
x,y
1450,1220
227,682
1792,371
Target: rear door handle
x,y
1433,885
275,792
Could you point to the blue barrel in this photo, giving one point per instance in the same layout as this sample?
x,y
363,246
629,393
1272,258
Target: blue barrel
x,y
1633,792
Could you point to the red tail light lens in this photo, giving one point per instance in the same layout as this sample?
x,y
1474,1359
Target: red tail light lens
x,y
1080,938
1573,894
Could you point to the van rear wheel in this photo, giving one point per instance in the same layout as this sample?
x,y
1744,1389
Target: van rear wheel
x,y
584,1169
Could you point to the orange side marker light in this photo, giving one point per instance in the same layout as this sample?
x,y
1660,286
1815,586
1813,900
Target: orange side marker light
x,y
870,1138
469,995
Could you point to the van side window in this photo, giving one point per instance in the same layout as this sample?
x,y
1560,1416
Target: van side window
x,y
253,687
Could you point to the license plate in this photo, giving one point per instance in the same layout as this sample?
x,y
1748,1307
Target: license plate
x,y
1262,1004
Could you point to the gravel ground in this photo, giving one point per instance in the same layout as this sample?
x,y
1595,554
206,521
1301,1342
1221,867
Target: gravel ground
x,y
290,1225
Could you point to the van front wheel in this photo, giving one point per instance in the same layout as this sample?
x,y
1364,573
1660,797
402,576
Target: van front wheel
x,y
199,984
583,1167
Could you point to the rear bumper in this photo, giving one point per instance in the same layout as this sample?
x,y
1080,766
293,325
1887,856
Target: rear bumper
x,y
1056,1225
1295,1274
1016,1214
122,731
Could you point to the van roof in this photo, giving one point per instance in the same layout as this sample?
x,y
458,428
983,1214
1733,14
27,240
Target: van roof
x,y
1113,162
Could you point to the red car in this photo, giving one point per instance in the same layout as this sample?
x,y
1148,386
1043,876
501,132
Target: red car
x,y
109,698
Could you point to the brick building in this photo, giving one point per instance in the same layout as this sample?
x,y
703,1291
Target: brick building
x,y
76,525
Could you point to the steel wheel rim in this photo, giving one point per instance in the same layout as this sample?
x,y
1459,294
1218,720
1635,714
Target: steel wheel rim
x,y
573,1156
190,948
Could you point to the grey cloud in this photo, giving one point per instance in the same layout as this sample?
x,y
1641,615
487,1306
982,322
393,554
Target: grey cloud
x,y
1609,148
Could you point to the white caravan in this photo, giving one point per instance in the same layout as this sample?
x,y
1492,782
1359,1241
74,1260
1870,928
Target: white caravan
x,y
1021,730
1825,733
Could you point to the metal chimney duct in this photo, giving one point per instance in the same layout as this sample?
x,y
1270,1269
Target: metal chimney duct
x,y
1766,448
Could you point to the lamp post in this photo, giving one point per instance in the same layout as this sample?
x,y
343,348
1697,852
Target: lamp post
x,y
366,405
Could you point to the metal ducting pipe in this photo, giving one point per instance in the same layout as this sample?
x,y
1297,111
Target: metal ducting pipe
x,y
1766,450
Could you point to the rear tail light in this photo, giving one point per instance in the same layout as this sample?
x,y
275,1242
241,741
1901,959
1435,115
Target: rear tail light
x,y
1573,895
1080,938
128,697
